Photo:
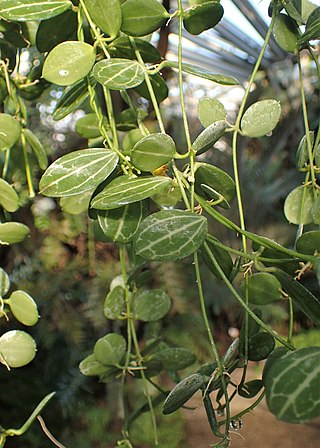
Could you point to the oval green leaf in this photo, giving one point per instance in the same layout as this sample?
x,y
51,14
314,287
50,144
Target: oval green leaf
x,y
114,304
71,99
151,305
153,151
182,393
4,282
23,307
142,17
130,139
106,14
17,348
10,131
159,86
56,30
110,349
77,203
309,242
91,367
308,303
119,225
13,232
210,110
170,235
213,183
285,32
32,9
119,74
127,189
88,126
292,386
315,211
202,17
68,62
78,172
222,257
37,148
8,197
122,48
298,205
302,155
209,136
260,346
224,80
175,358
261,118
263,288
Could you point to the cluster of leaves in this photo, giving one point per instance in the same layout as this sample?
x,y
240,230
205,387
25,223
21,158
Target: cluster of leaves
x,y
129,180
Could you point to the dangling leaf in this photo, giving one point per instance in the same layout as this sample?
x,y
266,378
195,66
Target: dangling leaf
x,y
4,282
71,99
68,63
77,203
202,17
120,225
8,197
170,235
292,386
219,184
110,349
23,307
114,304
302,297
10,131
130,139
54,31
13,232
260,118
159,86
309,242
142,17
106,14
153,151
285,32
260,346
209,136
123,48
119,74
224,80
210,110
77,172
315,211
17,348
127,189
37,148
182,392
18,10
312,27
263,288
302,155
88,126
222,257
152,305
91,367
175,358
298,205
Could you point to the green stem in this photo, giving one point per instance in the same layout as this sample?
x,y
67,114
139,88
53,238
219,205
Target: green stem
x,y
6,164
241,301
211,339
108,100
252,236
290,332
245,411
306,126
149,86
27,165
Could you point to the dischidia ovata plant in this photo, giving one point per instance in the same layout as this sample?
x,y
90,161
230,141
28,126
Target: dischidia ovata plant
x,y
155,203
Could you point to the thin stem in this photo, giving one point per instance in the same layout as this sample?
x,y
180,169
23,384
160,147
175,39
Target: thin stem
x,y
245,411
183,108
211,339
48,433
149,86
108,100
306,126
178,175
242,302
27,166
290,332
6,164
